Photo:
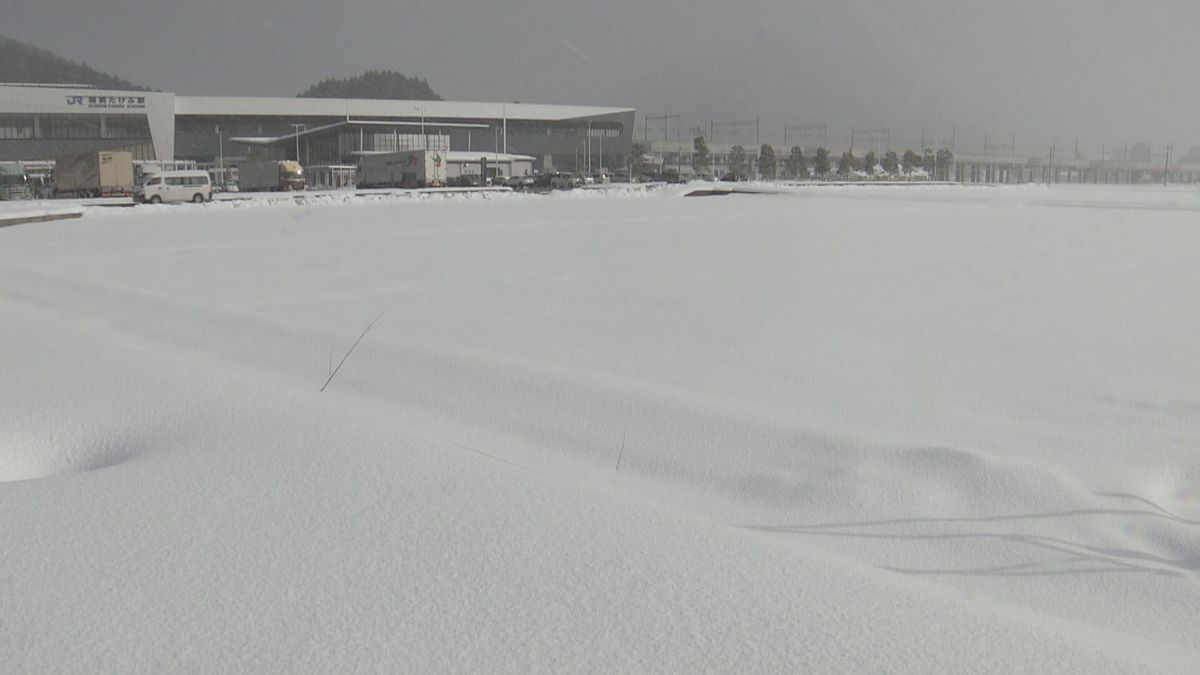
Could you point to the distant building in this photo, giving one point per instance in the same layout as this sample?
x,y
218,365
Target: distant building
x,y
40,122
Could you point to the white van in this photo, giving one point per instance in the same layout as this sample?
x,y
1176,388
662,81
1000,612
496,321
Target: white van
x,y
175,186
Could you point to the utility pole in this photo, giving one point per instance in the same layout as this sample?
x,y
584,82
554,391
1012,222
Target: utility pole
x,y
1050,177
1167,166
805,131
666,127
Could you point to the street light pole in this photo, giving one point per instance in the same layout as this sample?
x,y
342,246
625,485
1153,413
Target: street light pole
x,y
220,153
297,127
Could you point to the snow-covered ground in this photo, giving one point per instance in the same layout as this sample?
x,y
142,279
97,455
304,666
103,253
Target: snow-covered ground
x,y
855,429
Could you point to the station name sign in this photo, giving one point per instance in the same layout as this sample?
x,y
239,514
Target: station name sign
x,y
110,102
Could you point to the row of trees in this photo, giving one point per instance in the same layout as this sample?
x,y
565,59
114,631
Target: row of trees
x,y
376,84
797,165
23,62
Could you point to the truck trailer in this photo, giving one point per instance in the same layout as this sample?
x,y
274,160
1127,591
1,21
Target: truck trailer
x,y
102,173
270,175
408,169
14,183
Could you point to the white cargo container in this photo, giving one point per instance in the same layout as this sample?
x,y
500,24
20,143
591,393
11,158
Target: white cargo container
x,y
408,168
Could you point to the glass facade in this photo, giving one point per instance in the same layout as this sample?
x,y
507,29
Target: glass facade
x,y
47,136
74,127
554,144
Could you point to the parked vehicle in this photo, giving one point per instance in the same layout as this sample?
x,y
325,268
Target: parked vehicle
x,y
14,183
271,176
40,175
103,173
175,186
564,180
520,182
465,180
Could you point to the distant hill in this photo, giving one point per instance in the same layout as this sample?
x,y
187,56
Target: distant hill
x,y
21,62
386,84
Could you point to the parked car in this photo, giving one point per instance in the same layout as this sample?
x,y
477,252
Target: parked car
x,y
465,180
564,180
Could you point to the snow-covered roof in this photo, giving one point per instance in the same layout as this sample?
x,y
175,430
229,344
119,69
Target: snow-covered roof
x,y
457,155
472,155
318,107
432,126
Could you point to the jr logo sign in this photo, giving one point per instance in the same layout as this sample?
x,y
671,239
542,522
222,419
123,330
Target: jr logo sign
x,y
108,101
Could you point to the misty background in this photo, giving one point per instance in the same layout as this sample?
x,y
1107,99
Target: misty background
x,y
1101,71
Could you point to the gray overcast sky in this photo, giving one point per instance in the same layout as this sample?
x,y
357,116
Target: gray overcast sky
x,y
1100,70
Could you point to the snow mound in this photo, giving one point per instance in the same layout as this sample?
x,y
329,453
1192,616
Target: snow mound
x,y
63,451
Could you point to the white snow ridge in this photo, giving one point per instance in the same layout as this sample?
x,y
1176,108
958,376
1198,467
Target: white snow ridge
x,y
838,429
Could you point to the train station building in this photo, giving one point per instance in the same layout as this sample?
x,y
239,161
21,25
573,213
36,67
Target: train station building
x,y
42,122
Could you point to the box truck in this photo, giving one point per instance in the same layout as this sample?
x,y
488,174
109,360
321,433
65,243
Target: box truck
x,y
102,173
270,175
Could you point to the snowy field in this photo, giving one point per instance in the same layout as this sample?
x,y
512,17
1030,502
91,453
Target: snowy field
x,y
841,429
